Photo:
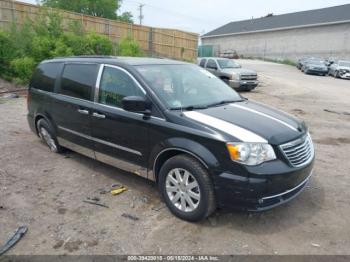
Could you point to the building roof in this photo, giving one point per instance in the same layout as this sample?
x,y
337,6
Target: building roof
x,y
329,15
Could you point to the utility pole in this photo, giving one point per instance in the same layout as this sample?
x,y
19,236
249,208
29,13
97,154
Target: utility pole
x,y
141,15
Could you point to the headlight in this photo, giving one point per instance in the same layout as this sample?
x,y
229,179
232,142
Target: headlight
x,y
250,154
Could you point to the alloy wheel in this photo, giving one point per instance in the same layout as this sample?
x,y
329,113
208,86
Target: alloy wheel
x,y
45,135
182,189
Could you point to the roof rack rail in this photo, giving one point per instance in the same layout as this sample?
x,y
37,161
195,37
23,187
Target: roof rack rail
x,y
88,56
93,56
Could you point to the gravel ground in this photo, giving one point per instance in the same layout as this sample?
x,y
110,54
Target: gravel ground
x,y
45,191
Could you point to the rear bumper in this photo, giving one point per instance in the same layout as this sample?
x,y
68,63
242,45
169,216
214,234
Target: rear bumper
x,y
259,191
31,123
244,84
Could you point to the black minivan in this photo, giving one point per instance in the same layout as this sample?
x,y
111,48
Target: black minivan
x,y
176,124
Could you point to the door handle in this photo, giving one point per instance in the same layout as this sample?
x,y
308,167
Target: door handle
x,y
83,111
98,115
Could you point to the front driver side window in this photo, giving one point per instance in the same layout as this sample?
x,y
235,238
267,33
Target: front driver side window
x,y
211,64
115,85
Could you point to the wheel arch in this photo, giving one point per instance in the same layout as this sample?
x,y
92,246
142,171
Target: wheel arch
x,y
42,116
201,154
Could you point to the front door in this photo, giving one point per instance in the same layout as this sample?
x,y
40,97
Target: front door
x,y
120,137
212,67
72,107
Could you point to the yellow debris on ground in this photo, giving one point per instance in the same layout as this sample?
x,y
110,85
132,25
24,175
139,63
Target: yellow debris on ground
x,y
119,190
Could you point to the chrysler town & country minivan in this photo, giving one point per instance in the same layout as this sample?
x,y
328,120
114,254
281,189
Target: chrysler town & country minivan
x,y
176,124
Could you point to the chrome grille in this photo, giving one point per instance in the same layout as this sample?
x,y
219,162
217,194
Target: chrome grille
x,y
249,77
299,152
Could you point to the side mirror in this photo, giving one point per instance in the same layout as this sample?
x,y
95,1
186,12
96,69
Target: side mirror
x,y
136,104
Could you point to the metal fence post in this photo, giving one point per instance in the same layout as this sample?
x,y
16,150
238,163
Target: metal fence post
x,y
150,41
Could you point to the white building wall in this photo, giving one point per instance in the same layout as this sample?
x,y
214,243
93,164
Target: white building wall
x,y
322,41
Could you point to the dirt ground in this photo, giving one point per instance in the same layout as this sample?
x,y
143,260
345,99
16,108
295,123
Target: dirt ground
x,y
44,190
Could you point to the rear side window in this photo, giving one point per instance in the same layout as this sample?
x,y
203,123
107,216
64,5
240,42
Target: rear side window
x,y
45,75
78,80
202,63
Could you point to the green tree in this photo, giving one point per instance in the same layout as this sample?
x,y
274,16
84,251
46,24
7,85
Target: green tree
x,y
126,17
101,8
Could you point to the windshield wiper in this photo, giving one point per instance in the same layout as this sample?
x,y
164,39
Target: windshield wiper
x,y
223,102
188,108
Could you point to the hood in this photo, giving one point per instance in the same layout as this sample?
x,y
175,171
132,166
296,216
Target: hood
x,y
250,122
343,68
316,65
239,71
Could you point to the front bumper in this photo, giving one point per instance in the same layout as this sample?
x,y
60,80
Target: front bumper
x,y
262,187
344,75
269,202
243,84
316,71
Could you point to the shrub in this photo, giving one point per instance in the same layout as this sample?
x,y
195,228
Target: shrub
x,y
129,47
24,46
288,62
77,44
99,44
22,38
6,52
42,47
48,23
22,68
61,49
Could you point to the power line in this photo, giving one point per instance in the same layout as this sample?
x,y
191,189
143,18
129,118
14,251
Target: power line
x,y
173,12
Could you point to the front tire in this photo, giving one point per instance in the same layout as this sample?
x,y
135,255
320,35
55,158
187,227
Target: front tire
x,y
186,188
47,135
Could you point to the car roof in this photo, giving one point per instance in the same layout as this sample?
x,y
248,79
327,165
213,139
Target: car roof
x,y
117,60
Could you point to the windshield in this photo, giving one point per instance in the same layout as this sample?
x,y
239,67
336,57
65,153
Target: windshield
x,y
316,62
225,63
344,63
187,86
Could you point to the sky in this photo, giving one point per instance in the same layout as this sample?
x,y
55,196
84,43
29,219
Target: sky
x,y
202,16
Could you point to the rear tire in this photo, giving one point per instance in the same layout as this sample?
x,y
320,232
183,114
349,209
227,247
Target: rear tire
x,y
47,135
186,188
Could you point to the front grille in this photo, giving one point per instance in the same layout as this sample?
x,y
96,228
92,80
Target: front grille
x,y
299,152
249,77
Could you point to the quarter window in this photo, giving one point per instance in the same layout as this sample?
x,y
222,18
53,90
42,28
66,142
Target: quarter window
x,y
78,80
115,85
45,75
